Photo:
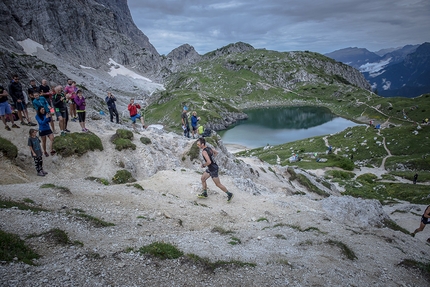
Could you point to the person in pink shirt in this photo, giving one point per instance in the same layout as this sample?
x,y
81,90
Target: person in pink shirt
x,y
70,90
80,103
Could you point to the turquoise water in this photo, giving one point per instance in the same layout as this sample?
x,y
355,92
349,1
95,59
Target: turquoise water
x,y
276,126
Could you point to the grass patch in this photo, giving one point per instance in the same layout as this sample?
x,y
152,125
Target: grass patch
x,y
387,192
194,151
161,250
136,185
339,174
212,266
7,203
423,267
98,179
59,188
77,144
303,180
122,140
96,222
55,235
123,176
262,219
11,247
344,249
234,241
145,140
394,226
221,230
8,149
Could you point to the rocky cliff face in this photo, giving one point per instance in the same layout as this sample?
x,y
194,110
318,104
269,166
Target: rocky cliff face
x,y
84,34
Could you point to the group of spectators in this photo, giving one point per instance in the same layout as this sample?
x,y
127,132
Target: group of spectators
x,y
48,102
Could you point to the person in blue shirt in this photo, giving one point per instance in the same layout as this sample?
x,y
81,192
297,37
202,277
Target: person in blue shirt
x,y
43,118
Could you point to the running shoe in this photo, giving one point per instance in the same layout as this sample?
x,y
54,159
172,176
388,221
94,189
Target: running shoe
x,y
202,195
7,128
67,131
229,196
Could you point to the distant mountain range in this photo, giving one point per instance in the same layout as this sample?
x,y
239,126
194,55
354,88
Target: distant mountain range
x,y
392,72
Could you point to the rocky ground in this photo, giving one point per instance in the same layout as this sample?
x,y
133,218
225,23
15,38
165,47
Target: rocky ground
x,y
294,239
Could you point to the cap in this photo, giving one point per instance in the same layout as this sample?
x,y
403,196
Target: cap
x,y
185,108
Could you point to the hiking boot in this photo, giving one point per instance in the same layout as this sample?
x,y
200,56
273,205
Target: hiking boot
x,y
44,172
40,173
15,126
7,128
229,196
204,194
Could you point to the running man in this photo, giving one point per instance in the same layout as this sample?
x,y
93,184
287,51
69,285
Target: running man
x,y
425,219
211,171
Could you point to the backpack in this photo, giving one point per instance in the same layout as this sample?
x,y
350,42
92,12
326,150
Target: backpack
x,y
207,133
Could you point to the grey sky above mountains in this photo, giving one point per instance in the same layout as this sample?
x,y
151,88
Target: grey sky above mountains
x,y
283,25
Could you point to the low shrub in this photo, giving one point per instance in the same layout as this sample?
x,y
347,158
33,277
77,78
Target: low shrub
x,y
145,140
123,176
122,140
8,148
77,144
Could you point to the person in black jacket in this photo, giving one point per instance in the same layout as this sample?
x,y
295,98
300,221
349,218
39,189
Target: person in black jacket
x,y
15,91
110,101
59,101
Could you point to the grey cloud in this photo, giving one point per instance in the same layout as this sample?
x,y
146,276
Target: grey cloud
x,y
320,26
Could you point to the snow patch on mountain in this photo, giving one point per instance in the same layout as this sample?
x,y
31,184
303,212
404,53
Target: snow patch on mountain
x,y
30,46
374,69
117,69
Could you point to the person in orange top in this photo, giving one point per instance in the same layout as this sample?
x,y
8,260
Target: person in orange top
x,y
134,114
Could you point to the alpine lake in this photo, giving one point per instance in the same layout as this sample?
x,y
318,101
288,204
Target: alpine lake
x,y
278,125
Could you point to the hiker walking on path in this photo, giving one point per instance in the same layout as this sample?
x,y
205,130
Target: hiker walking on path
x,y
415,178
211,171
424,220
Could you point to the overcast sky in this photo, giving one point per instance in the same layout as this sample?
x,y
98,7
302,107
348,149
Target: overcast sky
x,y
283,25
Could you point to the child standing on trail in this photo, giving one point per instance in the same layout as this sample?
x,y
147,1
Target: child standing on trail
x,y
36,152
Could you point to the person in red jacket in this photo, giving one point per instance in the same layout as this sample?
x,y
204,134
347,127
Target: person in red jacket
x,y
134,114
